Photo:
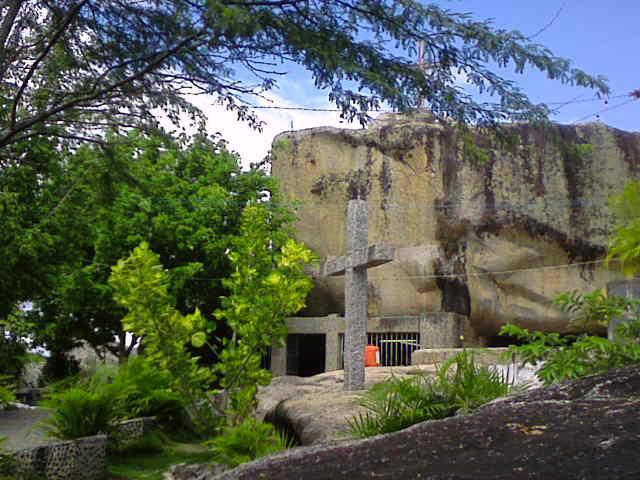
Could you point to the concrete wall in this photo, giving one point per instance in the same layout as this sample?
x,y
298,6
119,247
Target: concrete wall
x,y
437,329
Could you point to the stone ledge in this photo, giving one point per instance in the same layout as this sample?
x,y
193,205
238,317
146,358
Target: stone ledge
x,y
80,459
482,356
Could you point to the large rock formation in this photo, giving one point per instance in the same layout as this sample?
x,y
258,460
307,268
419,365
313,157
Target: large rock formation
x,y
587,429
457,205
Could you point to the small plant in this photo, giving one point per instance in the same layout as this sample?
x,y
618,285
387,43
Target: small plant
x,y
247,441
8,463
458,386
398,404
78,413
6,392
571,357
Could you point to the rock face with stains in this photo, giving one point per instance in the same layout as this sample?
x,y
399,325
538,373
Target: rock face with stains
x,y
586,429
460,208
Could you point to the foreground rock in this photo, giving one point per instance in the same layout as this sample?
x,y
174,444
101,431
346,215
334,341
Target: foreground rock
x,y
317,409
588,429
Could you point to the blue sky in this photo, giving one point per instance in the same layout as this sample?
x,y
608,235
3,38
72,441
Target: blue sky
x,y
599,37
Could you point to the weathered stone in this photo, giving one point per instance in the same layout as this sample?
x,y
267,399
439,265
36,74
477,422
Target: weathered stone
x,y
540,203
316,409
623,288
183,471
586,429
483,356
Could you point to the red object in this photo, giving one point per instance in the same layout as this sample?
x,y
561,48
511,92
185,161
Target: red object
x,y
372,356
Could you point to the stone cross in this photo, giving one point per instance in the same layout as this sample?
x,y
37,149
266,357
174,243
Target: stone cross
x,y
353,266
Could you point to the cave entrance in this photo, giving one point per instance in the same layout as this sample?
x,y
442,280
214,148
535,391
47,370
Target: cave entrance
x,y
305,354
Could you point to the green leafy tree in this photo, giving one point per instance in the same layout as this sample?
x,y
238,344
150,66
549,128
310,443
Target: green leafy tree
x,y
141,286
267,285
72,68
625,243
184,199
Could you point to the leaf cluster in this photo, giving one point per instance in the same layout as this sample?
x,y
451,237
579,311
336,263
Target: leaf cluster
x,y
247,441
624,245
459,385
569,357
74,68
268,284
141,286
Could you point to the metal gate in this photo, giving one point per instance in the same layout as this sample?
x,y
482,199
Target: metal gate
x,y
395,347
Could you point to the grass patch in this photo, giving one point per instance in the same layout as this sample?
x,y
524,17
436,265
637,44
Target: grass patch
x,y
151,465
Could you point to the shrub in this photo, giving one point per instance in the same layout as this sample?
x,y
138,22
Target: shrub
x,y
78,412
571,357
458,386
247,441
6,393
59,366
13,355
8,464
142,390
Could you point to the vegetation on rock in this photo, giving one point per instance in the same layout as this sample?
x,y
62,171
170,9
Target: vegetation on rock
x,y
247,441
459,386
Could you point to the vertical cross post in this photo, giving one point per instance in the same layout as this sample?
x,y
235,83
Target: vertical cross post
x,y
360,256
355,339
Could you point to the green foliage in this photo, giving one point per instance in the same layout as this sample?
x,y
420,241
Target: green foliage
x,y
81,211
398,404
8,464
58,366
624,246
143,390
267,285
247,441
77,413
593,309
6,392
141,285
13,355
361,51
153,465
471,152
458,386
568,358
152,442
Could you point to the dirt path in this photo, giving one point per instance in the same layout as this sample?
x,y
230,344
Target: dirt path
x,y
21,428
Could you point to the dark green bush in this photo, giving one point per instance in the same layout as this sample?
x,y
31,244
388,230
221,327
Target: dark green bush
x,y
6,392
78,413
142,390
246,442
8,464
59,366
458,386
13,355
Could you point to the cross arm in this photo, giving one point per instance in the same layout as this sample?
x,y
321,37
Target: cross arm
x,y
372,256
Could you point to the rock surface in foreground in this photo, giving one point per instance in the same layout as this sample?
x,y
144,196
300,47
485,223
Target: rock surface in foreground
x,y
588,429
317,409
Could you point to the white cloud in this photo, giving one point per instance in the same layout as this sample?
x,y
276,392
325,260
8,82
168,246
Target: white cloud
x,y
252,145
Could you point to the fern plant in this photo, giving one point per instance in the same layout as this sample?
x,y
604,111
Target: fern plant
x,y
247,441
458,386
78,413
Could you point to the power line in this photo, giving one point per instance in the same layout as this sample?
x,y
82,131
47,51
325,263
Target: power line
x,y
607,109
560,104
